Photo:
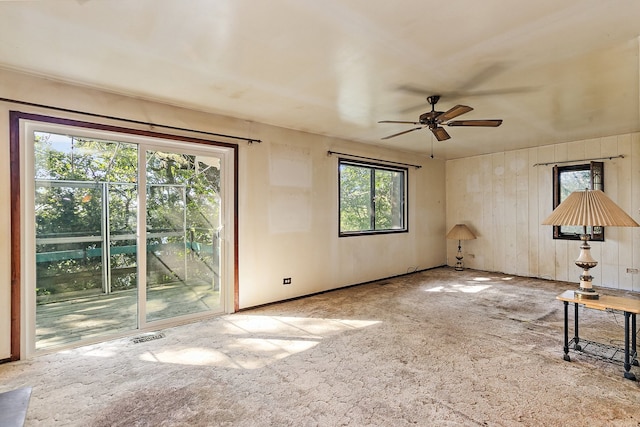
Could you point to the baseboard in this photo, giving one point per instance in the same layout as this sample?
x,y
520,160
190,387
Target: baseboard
x,y
341,287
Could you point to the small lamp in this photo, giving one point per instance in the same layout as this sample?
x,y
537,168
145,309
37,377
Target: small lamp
x,y
588,208
460,232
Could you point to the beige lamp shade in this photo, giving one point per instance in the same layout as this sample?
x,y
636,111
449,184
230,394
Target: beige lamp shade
x,y
460,232
589,208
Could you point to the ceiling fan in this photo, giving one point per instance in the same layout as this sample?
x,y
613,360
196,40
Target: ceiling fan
x,y
435,119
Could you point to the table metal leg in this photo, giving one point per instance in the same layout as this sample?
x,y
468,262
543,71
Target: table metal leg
x,y
566,332
576,338
634,347
627,332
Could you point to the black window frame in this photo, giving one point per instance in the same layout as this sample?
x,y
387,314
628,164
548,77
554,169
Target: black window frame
x,y
596,182
403,202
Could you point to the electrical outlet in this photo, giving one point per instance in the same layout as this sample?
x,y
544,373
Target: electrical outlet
x,y
633,270
286,281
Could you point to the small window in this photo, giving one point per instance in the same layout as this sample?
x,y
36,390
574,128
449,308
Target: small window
x,y
566,180
372,198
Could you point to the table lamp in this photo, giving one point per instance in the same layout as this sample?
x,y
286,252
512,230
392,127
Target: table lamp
x,y
588,208
460,232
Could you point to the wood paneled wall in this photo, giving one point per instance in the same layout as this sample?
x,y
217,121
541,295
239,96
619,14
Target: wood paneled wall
x,y
504,198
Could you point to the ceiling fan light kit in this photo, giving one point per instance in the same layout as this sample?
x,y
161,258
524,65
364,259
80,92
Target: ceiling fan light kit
x,y
435,119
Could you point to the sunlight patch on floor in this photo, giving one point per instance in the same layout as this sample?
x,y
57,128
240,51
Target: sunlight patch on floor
x,y
196,356
467,289
253,341
242,324
94,352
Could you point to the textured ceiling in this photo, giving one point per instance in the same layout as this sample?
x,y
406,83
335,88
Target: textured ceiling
x,y
554,71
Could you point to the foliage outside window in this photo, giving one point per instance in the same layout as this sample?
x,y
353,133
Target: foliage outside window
x,y
372,198
74,177
566,180
82,181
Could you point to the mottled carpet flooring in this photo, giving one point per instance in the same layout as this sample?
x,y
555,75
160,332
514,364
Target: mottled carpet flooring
x,y
433,348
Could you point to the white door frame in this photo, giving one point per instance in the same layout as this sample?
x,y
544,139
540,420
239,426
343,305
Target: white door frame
x,y
227,155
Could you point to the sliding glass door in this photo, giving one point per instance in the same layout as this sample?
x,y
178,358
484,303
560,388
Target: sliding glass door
x,y
122,234
85,208
182,234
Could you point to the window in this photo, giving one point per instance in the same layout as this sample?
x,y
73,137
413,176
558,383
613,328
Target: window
x,y
567,179
372,198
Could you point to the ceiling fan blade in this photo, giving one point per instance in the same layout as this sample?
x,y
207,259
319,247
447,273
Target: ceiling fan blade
x,y
398,121
423,91
412,108
483,75
440,133
502,91
453,112
485,123
402,133
416,90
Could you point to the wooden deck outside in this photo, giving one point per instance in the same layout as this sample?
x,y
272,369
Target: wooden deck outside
x,y
66,322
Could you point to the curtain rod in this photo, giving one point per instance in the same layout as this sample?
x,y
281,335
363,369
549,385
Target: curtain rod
x,y
138,122
621,156
371,158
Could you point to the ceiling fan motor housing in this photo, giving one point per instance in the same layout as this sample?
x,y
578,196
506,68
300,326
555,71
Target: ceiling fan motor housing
x,y
429,118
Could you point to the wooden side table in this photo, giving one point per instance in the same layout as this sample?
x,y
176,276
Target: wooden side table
x,y
629,306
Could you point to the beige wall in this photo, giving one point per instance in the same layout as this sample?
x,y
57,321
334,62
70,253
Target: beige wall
x,y
287,198
505,198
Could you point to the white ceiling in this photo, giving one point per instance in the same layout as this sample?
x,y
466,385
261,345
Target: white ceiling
x,y
554,70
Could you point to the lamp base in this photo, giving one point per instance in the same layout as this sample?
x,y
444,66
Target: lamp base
x,y
586,262
586,294
459,265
